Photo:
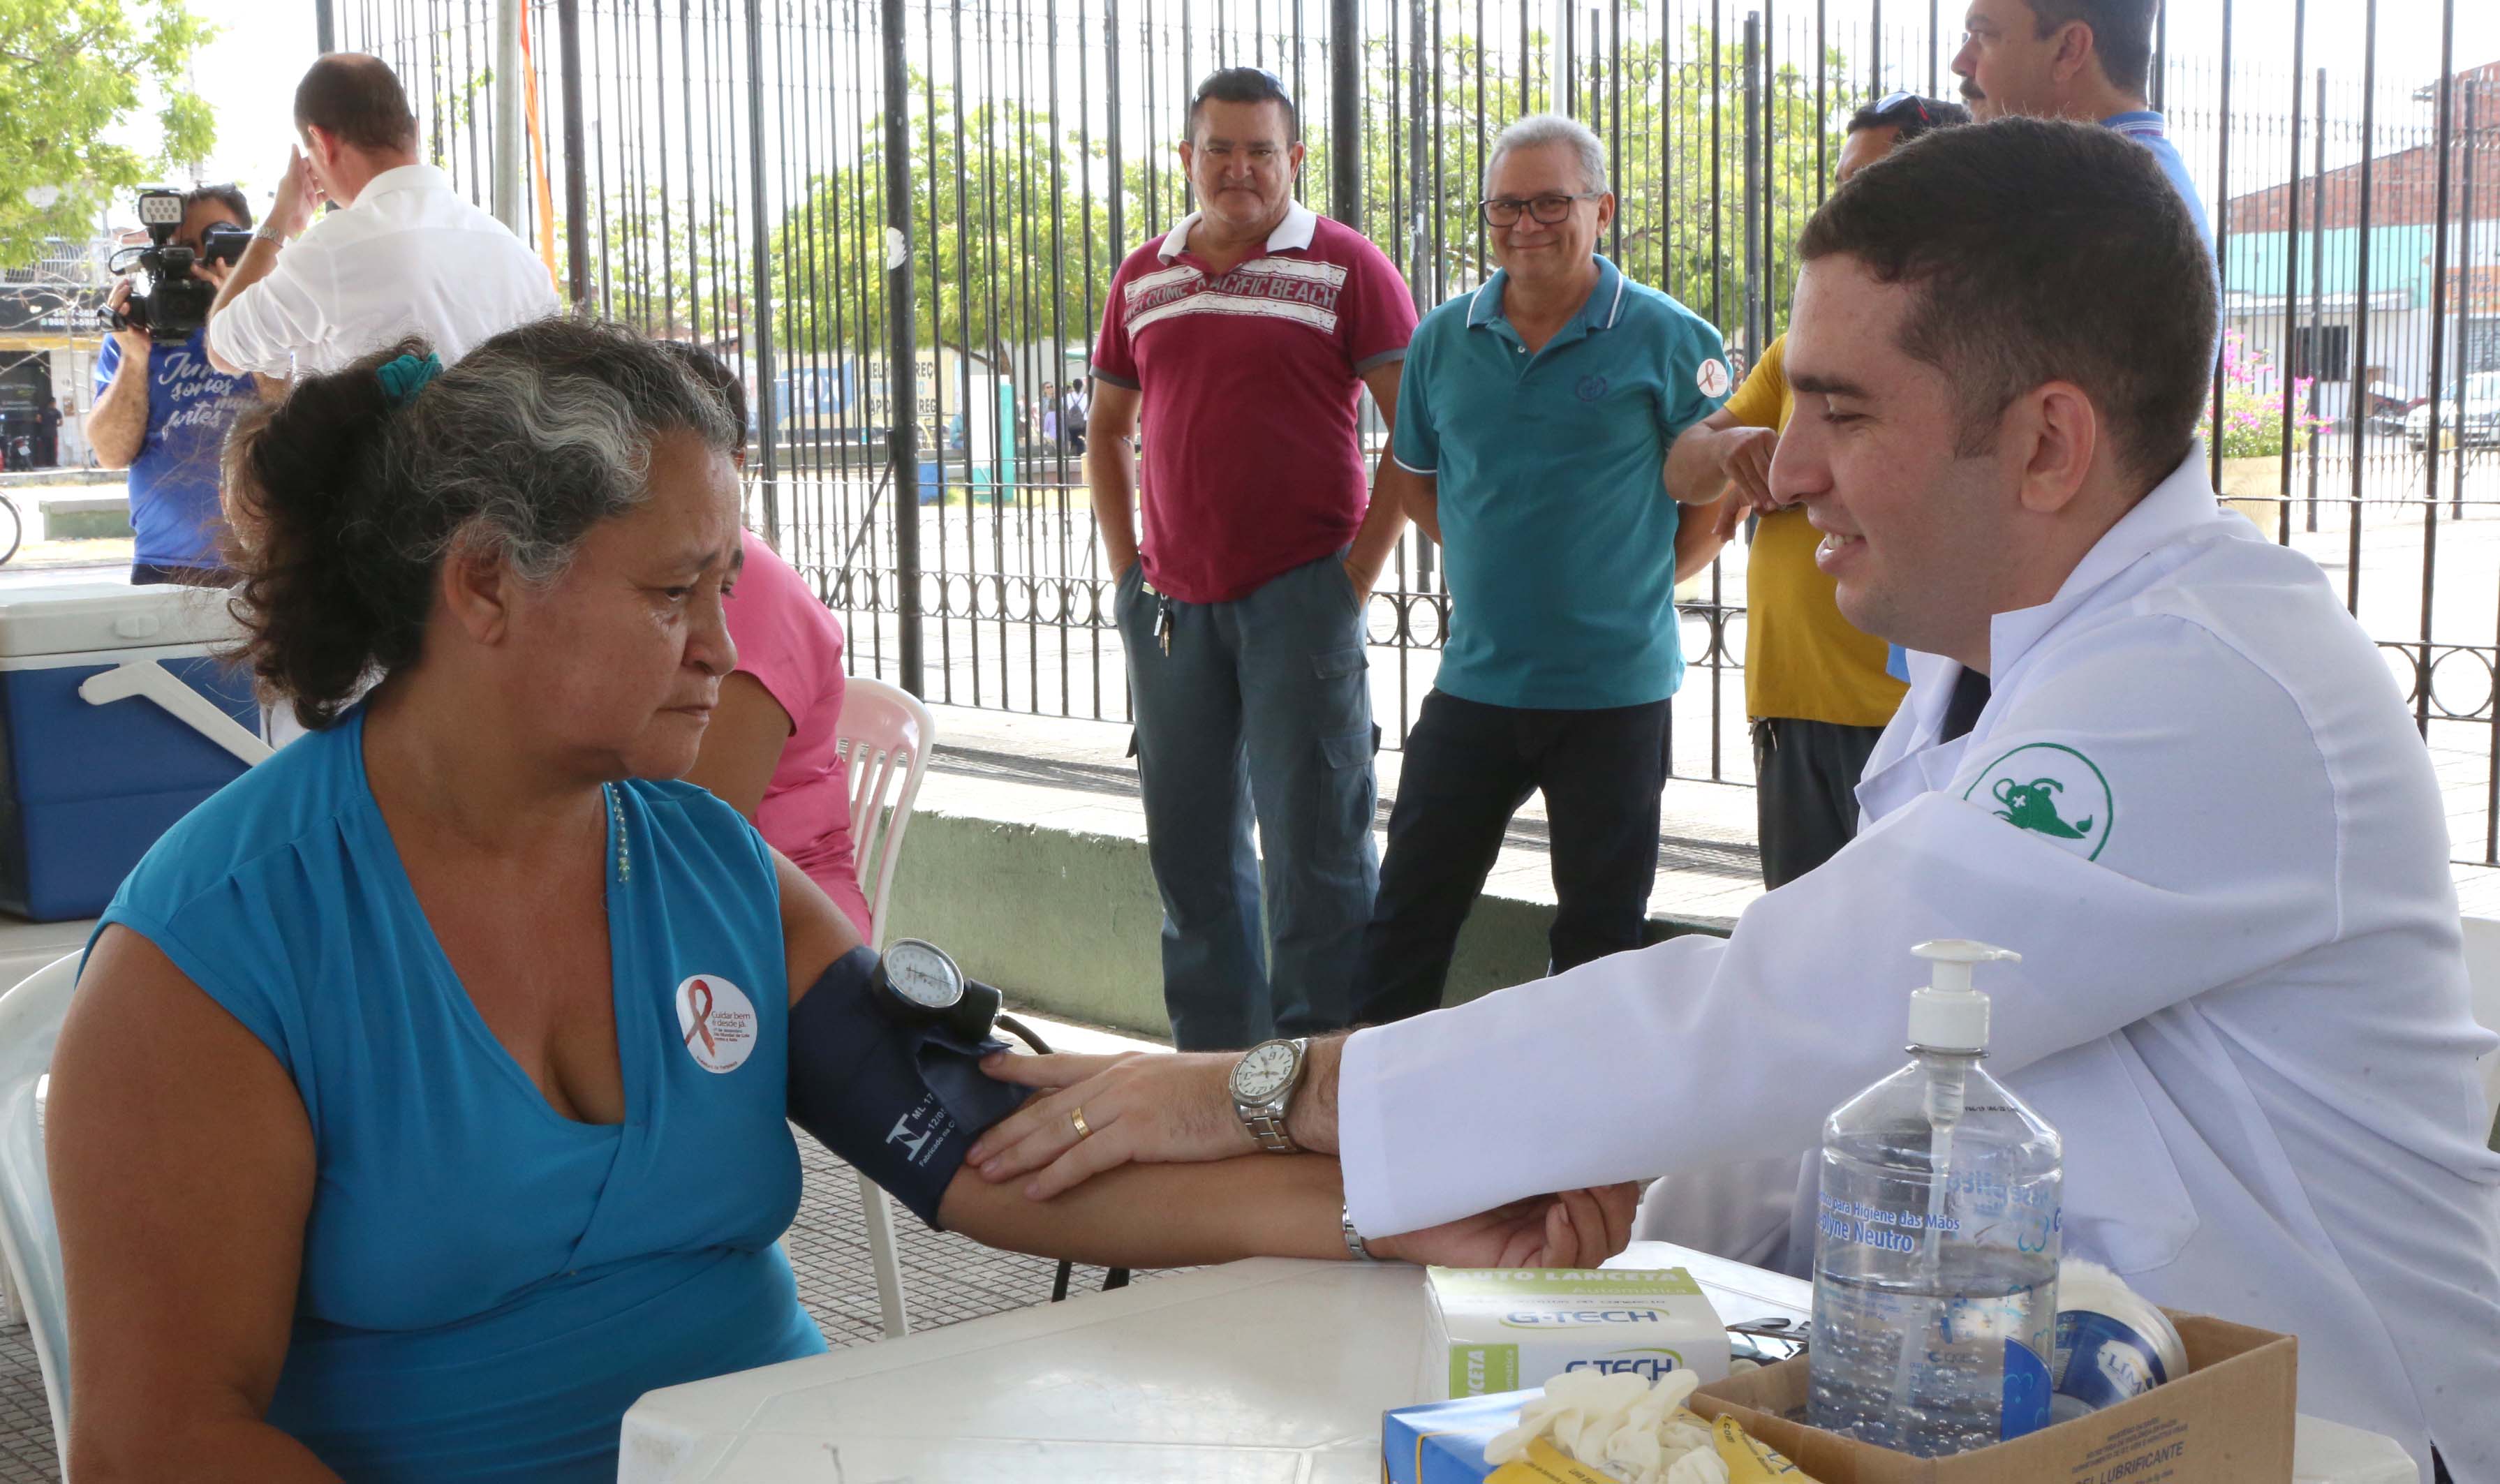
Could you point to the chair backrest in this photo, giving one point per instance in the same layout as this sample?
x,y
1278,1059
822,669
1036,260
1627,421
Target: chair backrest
x,y
884,734
2483,978
30,1022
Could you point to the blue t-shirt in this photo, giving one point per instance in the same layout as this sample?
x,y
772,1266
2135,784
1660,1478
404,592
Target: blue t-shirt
x,y
488,1285
1558,530
173,480
2149,129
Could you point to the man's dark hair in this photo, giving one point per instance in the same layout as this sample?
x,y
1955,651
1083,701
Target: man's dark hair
x,y
1910,114
231,197
357,100
2121,35
1246,85
2040,251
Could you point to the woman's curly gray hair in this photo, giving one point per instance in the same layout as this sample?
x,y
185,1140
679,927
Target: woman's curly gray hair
x,y
344,504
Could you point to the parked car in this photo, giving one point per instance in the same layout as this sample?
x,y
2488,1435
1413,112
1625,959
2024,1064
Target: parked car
x,y
2473,418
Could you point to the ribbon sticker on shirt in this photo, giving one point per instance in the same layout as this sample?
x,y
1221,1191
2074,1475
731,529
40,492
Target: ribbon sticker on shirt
x,y
717,1022
2052,791
1712,378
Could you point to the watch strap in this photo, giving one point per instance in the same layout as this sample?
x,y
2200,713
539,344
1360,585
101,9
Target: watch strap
x,y
1267,1130
1353,1238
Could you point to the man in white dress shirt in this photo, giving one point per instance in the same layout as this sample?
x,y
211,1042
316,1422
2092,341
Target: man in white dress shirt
x,y
403,254
2143,745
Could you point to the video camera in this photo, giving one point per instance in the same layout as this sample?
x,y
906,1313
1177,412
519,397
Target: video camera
x,y
177,300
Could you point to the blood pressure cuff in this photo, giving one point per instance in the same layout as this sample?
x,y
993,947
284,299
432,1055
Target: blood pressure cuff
x,y
901,1100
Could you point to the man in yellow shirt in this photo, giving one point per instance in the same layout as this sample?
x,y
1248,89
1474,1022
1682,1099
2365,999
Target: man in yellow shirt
x,y
1814,685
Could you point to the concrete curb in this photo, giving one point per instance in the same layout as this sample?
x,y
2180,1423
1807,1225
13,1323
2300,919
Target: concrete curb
x,y
1068,920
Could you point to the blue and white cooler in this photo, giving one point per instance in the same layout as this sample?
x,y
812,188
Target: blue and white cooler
x,y
115,719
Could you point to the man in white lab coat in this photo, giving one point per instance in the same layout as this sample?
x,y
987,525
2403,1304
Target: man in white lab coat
x,y
2143,746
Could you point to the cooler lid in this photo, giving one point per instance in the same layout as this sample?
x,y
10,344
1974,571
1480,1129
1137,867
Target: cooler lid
x,y
81,617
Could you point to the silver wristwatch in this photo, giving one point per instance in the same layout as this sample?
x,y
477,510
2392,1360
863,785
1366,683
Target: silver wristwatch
x,y
1262,1087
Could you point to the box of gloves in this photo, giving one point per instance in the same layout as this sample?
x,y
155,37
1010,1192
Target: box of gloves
x,y
1445,1443
1580,1428
2228,1421
1502,1329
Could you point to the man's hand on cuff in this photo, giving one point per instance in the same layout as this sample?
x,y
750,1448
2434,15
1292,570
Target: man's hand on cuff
x,y
1173,1108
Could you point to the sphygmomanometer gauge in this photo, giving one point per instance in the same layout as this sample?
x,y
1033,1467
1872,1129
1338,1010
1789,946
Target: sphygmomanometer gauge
x,y
919,982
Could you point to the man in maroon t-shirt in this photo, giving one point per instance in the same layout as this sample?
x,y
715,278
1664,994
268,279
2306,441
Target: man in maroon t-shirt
x,y
1246,337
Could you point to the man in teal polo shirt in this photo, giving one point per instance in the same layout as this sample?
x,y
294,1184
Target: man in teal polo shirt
x,y
1538,413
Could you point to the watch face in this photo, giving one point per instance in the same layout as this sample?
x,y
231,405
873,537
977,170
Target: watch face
x,y
1262,1072
922,974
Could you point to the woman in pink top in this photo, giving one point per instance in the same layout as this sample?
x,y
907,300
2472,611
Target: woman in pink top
x,y
768,752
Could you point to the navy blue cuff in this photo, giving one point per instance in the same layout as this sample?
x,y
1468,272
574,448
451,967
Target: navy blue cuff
x,y
901,1102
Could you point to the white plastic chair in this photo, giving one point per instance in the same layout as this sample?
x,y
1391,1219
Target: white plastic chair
x,y
885,734
2483,980
30,1022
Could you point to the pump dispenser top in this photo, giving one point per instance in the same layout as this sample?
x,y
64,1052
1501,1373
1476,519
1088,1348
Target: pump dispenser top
x,y
1949,1015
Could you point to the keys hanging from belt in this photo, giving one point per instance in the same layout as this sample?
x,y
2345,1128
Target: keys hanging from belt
x,y
1164,623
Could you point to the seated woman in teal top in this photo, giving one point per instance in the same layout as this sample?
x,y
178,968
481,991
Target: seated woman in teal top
x,y
422,1101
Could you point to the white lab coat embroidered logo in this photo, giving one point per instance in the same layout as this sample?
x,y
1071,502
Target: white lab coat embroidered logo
x,y
2049,790
716,1022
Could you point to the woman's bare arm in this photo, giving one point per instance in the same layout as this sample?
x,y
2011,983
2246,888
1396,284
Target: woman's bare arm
x,y
181,1172
1270,1206
1174,1215
116,421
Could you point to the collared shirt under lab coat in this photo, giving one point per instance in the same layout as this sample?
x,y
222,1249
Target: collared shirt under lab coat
x,y
2242,998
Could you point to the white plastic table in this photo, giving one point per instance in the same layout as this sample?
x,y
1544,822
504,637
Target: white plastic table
x,y
1266,1371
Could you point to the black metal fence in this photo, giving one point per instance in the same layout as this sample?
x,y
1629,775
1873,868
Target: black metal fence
x,y
867,203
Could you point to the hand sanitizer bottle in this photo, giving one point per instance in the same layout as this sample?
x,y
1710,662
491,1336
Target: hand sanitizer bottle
x,y
1935,1262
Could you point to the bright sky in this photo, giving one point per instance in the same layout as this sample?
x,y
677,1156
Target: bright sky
x,y
248,73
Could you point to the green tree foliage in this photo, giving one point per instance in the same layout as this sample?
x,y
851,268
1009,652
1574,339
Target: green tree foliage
x,y
70,70
671,269
1011,210
1004,232
1674,124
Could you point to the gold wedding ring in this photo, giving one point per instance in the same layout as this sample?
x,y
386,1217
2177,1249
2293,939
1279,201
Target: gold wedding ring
x,y
1076,1117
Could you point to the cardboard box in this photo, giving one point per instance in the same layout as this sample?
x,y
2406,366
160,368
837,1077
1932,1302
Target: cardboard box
x,y
1500,1328
1443,1443
2228,1421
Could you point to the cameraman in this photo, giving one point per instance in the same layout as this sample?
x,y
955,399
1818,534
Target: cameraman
x,y
405,255
161,413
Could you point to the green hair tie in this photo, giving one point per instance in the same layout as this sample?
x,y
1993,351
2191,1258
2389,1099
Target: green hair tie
x,y
403,377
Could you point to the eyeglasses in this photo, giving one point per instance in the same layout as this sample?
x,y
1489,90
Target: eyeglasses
x,y
1891,102
1504,211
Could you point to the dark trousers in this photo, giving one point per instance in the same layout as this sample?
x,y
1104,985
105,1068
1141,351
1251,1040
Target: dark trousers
x,y
1257,709
1805,795
151,573
1468,769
